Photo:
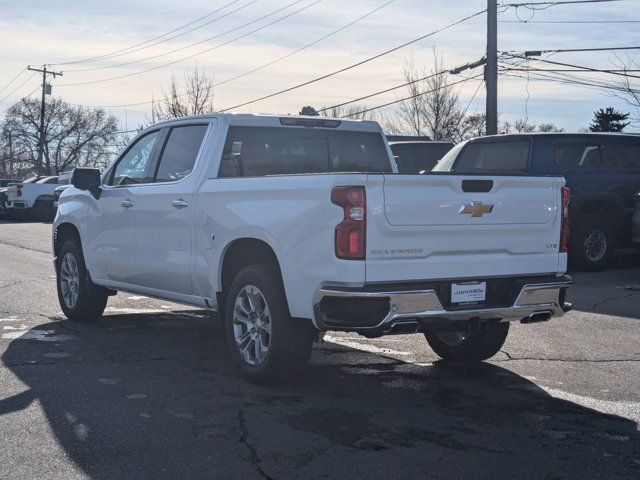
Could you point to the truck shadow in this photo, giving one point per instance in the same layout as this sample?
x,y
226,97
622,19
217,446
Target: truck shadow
x,y
155,395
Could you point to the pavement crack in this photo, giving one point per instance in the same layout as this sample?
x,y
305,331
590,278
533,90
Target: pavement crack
x,y
611,299
567,360
24,248
256,462
507,354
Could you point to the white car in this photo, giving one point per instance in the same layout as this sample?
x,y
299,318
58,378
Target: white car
x,y
293,226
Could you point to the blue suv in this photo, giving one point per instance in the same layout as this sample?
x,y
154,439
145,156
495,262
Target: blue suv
x,y
602,170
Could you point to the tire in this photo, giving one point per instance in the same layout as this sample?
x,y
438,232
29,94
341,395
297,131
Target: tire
x,y
592,243
471,346
43,211
89,302
279,347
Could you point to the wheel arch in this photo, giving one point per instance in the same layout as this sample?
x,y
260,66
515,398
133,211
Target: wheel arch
x,y
601,203
240,253
63,232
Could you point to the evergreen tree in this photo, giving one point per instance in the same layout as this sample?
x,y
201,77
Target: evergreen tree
x,y
608,120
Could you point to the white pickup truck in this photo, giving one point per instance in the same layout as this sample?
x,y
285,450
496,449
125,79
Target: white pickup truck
x,y
35,198
293,226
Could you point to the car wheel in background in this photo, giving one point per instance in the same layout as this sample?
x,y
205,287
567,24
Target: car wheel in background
x,y
473,345
43,211
592,243
79,298
265,343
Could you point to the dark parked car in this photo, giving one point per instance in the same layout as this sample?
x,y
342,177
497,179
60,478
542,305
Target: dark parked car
x,y
601,169
635,222
416,157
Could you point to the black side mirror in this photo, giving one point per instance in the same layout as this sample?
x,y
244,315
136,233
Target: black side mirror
x,y
87,179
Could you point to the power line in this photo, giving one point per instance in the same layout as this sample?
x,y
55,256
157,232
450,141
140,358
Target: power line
x,y
569,70
562,64
153,57
295,12
570,21
125,50
18,87
473,97
387,90
598,85
367,110
268,64
13,80
352,66
553,4
537,53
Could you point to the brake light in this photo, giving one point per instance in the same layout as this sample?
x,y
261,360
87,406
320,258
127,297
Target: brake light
x,y
564,231
350,234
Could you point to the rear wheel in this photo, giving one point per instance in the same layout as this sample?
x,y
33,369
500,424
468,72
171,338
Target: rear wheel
x,y
265,343
592,243
79,299
472,345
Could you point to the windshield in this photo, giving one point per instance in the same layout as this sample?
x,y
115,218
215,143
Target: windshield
x,y
446,163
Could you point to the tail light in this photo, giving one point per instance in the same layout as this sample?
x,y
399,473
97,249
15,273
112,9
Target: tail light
x,y
350,234
564,231
19,190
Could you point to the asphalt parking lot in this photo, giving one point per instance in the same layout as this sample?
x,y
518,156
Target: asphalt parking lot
x,y
149,392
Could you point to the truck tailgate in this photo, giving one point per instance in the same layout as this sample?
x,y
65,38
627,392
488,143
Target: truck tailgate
x,y
12,192
457,227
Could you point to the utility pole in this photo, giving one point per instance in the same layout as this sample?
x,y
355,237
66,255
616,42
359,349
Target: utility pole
x,y
491,69
46,89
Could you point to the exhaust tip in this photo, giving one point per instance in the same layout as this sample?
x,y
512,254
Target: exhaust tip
x,y
404,327
537,317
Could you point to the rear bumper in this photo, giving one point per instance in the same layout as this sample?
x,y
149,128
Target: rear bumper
x,y
18,205
389,310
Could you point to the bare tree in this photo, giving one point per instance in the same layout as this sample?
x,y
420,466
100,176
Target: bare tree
x,y
73,136
432,106
411,112
196,98
522,125
625,89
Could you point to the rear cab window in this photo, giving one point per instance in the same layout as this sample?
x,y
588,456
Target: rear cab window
x,y
263,151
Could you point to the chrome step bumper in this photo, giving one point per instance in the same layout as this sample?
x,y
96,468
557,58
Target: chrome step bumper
x,y
534,302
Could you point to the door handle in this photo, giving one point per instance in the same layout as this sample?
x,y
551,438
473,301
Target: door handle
x,y
126,203
180,203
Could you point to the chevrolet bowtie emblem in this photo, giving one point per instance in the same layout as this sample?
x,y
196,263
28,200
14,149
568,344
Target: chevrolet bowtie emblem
x,y
475,209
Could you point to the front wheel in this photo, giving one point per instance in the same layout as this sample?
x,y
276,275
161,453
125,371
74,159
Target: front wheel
x,y
79,299
470,345
265,343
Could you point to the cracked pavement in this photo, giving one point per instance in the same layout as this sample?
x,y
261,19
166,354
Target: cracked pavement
x,y
149,392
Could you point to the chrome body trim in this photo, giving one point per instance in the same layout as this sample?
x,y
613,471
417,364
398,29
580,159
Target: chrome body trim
x,y
533,299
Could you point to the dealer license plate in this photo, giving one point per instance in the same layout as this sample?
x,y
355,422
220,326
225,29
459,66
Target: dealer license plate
x,y
468,292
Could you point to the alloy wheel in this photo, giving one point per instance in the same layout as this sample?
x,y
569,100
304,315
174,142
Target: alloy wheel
x,y
252,325
69,280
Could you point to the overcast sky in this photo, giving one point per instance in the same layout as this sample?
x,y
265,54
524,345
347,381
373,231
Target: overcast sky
x,y
58,31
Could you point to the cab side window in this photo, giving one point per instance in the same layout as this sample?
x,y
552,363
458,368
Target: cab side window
x,y
624,157
180,152
577,155
133,167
